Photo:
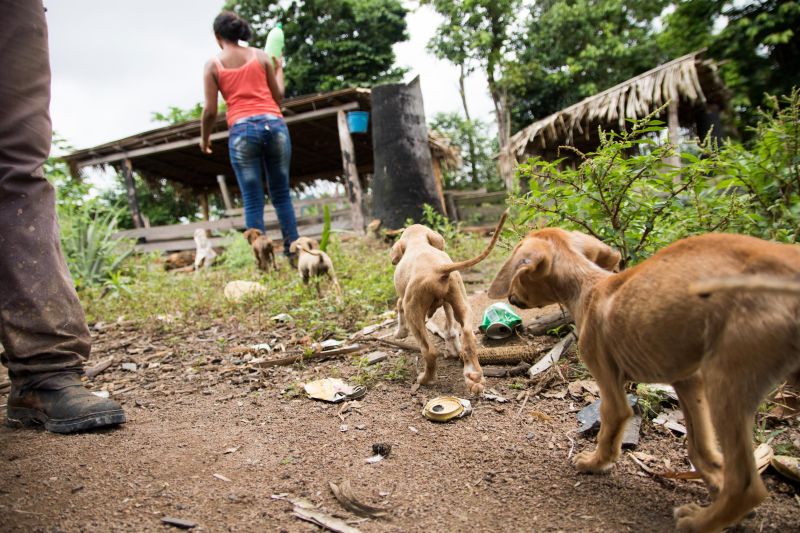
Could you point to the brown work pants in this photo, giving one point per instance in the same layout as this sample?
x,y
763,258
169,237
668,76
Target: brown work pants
x,y
42,326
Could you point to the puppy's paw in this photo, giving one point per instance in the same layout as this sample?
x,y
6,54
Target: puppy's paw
x,y
424,379
589,463
401,333
689,517
475,382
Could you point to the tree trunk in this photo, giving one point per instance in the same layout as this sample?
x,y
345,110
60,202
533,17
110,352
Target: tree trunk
x,y
130,189
403,181
352,184
505,162
470,130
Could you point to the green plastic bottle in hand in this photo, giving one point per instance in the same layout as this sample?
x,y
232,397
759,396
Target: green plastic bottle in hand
x,y
274,47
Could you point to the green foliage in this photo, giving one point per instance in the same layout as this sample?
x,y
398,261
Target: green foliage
x,y
477,162
438,223
767,171
331,44
326,228
237,254
176,115
608,42
626,195
758,46
160,201
87,224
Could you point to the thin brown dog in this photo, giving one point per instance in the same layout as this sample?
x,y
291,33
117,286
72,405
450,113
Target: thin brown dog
x,y
313,262
721,349
263,249
426,279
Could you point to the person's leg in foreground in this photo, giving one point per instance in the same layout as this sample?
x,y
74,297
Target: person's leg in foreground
x,y
278,151
244,148
42,326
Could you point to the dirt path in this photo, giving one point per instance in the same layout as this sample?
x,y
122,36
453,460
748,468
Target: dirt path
x,y
197,413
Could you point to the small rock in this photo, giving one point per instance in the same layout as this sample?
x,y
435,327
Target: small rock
x,y
131,367
382,448
376,357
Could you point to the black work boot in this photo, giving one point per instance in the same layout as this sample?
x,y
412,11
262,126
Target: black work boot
x,y
67,409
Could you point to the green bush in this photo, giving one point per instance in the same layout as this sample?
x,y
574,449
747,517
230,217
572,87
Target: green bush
x,y
627,195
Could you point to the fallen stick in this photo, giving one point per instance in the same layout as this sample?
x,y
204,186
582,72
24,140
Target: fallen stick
x,y
552,356
544,323
490,355
93,371
316,356
499,372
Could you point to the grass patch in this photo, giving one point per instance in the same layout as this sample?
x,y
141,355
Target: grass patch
x,y
169,301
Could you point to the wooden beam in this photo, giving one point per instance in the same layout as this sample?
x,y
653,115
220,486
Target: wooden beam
x,y
226,194
351,183
437,176
130,189
118,156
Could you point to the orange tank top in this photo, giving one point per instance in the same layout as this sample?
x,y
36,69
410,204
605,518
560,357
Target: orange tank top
x,y
245,90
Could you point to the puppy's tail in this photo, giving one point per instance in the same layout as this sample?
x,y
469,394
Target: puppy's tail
x,y
753,282
445,270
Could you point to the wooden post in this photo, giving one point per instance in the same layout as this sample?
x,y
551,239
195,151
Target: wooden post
x,y
204,205
351,183
130,187
673,125
226,195
437,176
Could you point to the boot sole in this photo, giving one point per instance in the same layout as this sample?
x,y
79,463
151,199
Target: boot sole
x,y
24,417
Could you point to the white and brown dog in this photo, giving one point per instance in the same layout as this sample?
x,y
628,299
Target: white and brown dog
x,y
426,279
204,254
714,315
313,262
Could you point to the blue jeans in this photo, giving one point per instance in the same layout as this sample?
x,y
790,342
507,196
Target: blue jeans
x,y
257,145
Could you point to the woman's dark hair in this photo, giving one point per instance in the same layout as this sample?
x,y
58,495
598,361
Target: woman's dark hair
x,y
232,27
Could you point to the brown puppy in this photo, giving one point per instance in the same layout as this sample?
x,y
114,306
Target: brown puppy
x,y
313,262
426,279
263,249
721,352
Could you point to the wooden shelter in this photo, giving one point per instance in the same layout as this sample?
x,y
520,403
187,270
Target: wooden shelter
x,y
322,148
689,85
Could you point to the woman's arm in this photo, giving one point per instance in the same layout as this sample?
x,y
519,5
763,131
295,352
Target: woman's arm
x,y
210,109
274,68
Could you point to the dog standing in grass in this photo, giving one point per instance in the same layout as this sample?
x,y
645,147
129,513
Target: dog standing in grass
x,y
427,279
263,249
717,316
313,262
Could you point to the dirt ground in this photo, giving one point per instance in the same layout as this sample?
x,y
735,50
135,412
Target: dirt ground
x,y
211,439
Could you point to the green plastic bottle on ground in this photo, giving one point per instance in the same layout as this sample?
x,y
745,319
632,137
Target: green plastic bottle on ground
x,y
274,46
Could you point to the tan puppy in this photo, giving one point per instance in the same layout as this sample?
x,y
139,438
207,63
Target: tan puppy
x,y
263,249
313,262
721,352
426,279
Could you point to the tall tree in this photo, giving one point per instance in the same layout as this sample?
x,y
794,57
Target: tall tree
x,y
758,46
475,135
572,49
331,44
481,31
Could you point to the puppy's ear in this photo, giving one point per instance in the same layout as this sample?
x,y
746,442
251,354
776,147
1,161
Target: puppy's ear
x,y
435,240
397,251
531,265
598,252
293,248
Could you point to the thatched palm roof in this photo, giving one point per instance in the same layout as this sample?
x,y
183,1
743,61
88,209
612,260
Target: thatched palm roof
x,y
443,150
690,80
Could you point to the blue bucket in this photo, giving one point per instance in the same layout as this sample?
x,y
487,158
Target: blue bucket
x,y
358,121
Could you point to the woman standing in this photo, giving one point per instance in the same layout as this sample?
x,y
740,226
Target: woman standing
x,y
252,85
